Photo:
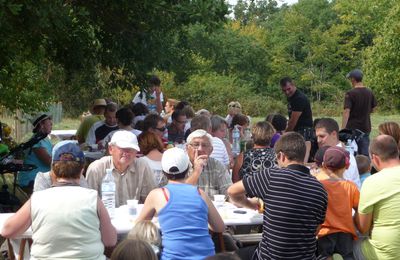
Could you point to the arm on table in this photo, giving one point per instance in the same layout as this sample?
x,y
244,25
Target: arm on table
x,y
345,117
107,230
18,223
294,117
237,195
43,155
363,222
214,219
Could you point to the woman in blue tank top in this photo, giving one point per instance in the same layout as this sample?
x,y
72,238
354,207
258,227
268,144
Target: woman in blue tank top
x,y
183,210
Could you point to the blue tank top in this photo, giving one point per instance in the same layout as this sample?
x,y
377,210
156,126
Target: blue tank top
x,y
184,224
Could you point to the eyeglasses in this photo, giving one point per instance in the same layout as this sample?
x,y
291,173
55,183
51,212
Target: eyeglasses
x,y
234,106
197,145
161,129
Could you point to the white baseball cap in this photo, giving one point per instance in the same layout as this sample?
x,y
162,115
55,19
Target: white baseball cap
x,y
124,139
174,161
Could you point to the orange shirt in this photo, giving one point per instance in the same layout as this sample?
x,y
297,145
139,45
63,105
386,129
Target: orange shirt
x,y
343,196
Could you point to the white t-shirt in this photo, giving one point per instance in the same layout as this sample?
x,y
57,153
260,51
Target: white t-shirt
x,y
152,106
351,174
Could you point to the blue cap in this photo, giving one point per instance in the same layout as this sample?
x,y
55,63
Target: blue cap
x,y
67,150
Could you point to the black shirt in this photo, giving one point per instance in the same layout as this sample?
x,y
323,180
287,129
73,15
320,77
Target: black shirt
x,y
295,204
361,102
300,103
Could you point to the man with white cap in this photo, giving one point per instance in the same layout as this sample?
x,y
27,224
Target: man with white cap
x,y
133,176
206,172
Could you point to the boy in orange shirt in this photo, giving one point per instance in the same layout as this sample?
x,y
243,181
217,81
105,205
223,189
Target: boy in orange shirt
x,y
338,232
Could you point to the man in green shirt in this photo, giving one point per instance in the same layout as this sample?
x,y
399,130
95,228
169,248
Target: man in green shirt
x,y
379,208
98,108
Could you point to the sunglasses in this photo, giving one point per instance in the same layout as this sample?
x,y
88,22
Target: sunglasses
x,y
161,129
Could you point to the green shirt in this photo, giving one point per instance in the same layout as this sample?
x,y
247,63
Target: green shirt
x,y
380,195
86,124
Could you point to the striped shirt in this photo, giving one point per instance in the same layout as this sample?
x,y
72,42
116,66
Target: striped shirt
x,y
295,204
219,151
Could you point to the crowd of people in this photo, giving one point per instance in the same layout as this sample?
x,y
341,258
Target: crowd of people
x,y
323,189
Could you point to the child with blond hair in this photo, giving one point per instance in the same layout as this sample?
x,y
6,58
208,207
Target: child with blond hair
x,y
147,231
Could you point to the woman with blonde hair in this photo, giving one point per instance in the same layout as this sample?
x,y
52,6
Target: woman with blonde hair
x,y
234,108
392,129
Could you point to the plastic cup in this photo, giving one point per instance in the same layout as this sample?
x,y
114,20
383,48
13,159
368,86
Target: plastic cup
x,y
219,200
132,206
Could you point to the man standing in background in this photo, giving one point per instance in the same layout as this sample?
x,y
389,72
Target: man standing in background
x,y
299,109
153,97
359,103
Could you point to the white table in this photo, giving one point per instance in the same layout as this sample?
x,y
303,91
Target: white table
x,y
62,134
123,222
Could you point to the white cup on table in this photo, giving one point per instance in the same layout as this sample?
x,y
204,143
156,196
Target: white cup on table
x,y
132,206
219,200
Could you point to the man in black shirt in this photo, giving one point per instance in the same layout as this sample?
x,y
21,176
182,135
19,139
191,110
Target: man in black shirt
x,y
359,103
299,109
295,204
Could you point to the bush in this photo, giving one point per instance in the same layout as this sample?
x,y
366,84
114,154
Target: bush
x,y
213,92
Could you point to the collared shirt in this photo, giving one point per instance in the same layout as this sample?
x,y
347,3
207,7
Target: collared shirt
x,y
135,183
214,179
295,205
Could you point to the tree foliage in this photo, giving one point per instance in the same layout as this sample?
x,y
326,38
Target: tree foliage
x,y
74,51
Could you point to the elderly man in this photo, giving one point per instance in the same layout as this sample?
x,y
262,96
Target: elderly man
x,y
98,108
295,204
101,129
327,132
219,152
378,210
133,177
206,172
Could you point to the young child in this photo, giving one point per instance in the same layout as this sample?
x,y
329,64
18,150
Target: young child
x,y
338,232
146,230
133,249
364,167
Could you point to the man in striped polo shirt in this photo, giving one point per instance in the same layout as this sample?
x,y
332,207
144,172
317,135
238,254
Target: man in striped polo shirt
x,y
295,204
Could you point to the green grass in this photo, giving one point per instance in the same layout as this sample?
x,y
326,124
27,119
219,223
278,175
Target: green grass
x,y
376,120
67,124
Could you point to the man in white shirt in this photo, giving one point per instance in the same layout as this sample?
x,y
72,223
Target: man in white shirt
x,y
327,132
152,97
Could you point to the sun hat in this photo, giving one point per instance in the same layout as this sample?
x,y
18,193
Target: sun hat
x,y
67,150
336,158
174,161
100,102
39,117
124,139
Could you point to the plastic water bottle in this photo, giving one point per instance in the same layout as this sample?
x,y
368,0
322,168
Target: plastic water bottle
x,y
108,192
235,140
349,147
